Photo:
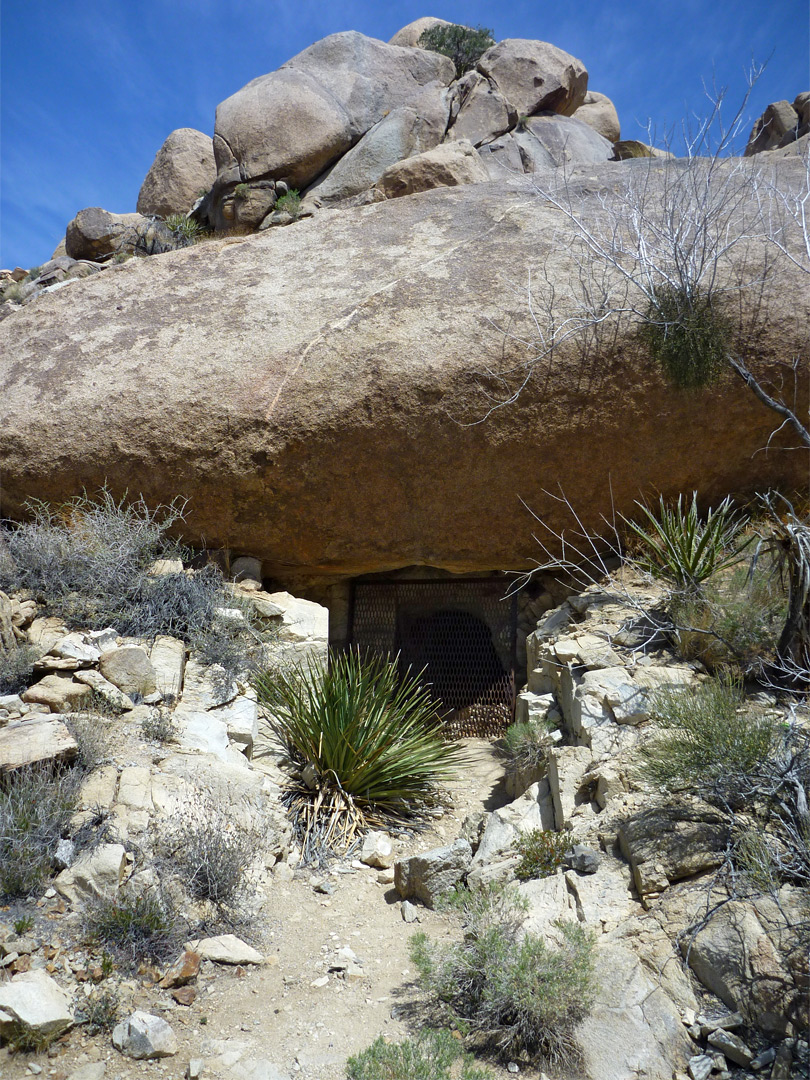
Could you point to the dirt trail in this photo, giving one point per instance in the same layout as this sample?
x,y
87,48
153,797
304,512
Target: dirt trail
x,y
282,1019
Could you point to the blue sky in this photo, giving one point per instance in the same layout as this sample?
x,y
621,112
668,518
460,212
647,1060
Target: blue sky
x,y
91,88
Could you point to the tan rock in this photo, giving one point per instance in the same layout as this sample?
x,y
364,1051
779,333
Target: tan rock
x,y
28,742
484,113
36,1001
448,165
94,232
44,632
409,35
778,121
599,112
168,658
296,121
352,374
95,873
535,76
226,949
129,668
672,842
61,693
183,169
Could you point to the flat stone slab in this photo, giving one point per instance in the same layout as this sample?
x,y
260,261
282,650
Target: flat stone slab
x,y
29,742
226,949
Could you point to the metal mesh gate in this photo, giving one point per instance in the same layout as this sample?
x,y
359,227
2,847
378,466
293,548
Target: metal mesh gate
x,y
462,633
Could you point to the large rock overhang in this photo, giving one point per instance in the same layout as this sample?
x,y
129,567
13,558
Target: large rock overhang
x,y
315,391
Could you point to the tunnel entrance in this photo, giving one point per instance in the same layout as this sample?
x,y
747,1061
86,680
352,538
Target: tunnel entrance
x,y
461,632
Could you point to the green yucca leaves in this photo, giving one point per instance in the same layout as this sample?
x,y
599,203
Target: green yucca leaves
x,y
681,546
369,743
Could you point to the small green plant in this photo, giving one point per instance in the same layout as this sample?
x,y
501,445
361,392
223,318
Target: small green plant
x,y
100,1011
431,1055
241,191
159,726
107,965
13,291
525,745
185,230
135,926
706,737
17,668
212,852
465,45
289,203
122,257
542,852
522,122
36,805
687,335
23,1039
367,741
23,925
510,990
678,545
34,273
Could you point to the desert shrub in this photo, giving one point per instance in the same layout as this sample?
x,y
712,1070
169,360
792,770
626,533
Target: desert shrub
x,y
12,291
368,742
88,561
16,668
90,729
705,737
463,44
754,766
542,852
431,1055
513,992
687,334
100,1011
290,202
736,623
241,191
159,726
212,852
525,745
36,805
134,926
185,231
676,544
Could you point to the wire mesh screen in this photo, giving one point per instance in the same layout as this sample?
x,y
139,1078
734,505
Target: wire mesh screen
x,y
462,633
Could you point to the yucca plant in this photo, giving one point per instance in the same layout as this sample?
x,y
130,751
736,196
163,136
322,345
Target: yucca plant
x,y
367,741
679,545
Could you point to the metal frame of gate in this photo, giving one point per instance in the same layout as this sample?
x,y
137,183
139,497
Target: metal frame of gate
x,y
461,631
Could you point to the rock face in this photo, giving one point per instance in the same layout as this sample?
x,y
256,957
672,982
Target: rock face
x,y
183,169
294,122
326,421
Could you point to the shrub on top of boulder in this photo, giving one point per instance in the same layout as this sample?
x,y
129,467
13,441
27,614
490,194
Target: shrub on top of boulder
x,y
463,44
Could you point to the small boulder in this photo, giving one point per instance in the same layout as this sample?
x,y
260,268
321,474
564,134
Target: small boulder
x,y
409,35
144,1037
130,669
552,141
61,693
36,1002
377,850
183,169
183,970
599,112
95,873
447,165
535,76
425,877
94,233
226,949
